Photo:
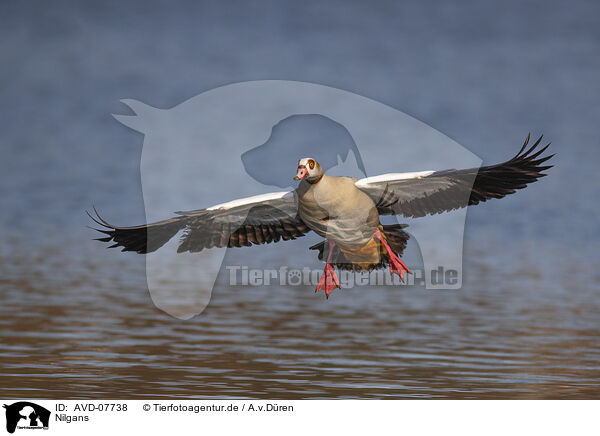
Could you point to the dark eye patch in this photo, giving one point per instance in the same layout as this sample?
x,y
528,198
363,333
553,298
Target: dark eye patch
x,y
311,164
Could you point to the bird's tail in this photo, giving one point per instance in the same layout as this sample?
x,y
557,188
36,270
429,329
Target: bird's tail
x,y
396,237
142,239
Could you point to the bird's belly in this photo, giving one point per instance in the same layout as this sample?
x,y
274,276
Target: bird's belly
x,y
365,255
346,228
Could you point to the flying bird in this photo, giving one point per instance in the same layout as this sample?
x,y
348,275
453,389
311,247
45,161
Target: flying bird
x,y
344,211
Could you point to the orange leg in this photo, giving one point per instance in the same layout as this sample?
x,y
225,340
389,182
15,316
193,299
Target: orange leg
x,y
396,265
329,280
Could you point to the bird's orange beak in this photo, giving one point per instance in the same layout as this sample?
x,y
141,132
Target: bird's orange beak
x,y
302,173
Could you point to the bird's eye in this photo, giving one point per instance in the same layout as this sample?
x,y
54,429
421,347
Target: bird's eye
x,y
311,164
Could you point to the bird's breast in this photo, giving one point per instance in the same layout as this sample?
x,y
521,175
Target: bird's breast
x,y
335,209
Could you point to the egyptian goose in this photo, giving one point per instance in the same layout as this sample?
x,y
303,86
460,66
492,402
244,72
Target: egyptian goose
x,y
345,211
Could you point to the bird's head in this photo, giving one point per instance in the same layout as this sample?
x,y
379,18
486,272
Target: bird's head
x,y
309,170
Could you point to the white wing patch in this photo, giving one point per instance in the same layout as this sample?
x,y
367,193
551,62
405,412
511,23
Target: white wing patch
x,y
392,177
250,200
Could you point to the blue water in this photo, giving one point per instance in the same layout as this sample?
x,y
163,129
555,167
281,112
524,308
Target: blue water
x,y
77,320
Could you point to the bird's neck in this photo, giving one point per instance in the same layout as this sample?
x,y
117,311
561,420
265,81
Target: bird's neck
x,y
315,181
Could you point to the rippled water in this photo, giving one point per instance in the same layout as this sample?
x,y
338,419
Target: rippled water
x,y
93,332
77,320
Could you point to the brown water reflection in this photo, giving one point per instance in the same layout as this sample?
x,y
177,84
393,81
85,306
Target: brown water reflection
x,y
94,333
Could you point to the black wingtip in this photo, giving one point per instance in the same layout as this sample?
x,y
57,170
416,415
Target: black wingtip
x,y
99,220
540,151
533,147
106,224
524,143
93,219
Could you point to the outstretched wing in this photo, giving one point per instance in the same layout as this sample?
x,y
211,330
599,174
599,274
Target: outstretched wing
x,y
255,220
432,192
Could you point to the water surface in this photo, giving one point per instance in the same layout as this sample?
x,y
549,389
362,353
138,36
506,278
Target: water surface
x,y
76,320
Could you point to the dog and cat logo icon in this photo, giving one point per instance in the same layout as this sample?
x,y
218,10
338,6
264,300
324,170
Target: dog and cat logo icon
x,y
26,415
